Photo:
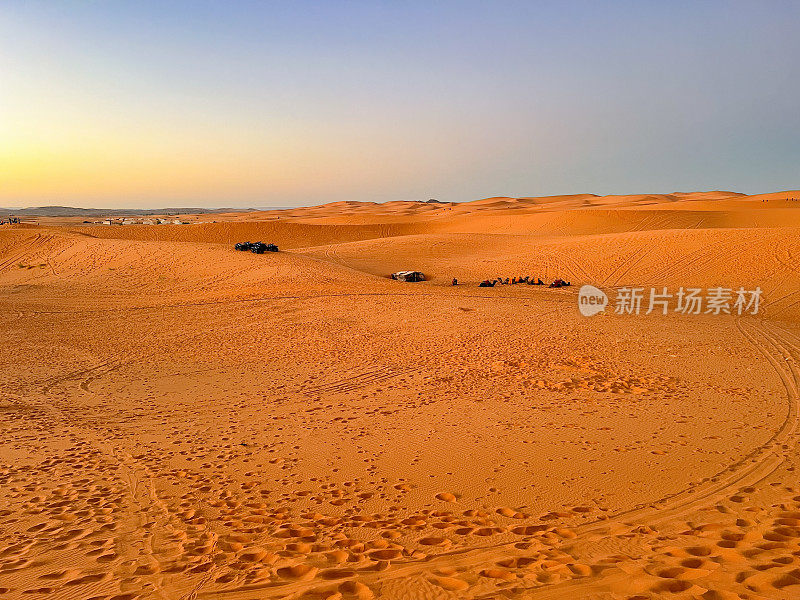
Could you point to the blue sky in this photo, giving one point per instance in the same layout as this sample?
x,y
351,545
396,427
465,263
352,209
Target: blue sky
x,y
283,103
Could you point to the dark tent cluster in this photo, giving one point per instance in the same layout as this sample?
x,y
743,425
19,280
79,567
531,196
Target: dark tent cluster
x,y
255,247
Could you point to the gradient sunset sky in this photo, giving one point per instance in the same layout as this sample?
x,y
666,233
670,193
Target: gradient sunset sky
x,y
146,104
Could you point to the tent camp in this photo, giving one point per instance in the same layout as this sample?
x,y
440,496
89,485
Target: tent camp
x,y
408,276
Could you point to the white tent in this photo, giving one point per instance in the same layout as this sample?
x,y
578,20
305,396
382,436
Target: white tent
x,y
408,276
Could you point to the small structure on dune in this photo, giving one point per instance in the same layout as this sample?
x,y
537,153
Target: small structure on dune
x,y
408,276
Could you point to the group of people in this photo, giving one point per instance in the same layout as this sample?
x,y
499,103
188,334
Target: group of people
x,y
10,221
527,280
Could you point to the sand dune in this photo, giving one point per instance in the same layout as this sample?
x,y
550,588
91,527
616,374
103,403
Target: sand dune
x,y
181,420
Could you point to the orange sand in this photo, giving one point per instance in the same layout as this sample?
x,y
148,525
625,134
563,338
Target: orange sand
x,y
180,420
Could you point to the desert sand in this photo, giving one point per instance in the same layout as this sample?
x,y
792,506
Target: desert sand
x,y
184,421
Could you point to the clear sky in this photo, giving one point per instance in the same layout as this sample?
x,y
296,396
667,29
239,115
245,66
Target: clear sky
x,y
153,103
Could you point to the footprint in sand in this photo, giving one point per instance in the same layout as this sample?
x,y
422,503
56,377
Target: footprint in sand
x,y
435,541
451,584
61,575
501,574
356,589
301,572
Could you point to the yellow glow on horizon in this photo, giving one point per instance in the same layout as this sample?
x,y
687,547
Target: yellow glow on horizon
x,y
48,155
136,169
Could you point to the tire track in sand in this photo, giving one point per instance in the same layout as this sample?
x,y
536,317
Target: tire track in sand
x,y
148,524
21,254
356,381
783,355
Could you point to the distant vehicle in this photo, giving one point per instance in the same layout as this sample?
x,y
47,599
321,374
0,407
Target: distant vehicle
x,y
261,247
408,276
559,283
256,247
